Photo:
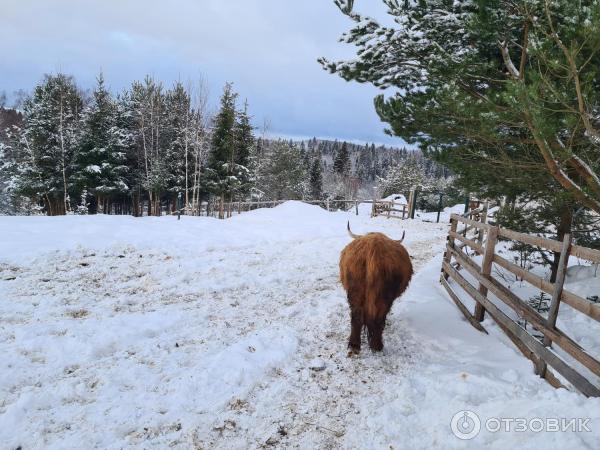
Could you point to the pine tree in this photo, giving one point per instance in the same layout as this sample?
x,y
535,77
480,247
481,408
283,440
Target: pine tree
x,y
402,178
244,136
316,178
222,149
503,88
244,143
283,175
100,163
178,130
147,107
341,163
49,138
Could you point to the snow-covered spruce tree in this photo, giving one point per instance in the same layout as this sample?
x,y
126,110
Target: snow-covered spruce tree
x,y
83,208
282,173
504,88
316,178
179,136
100,164
11,154
49,137
341,162
128,126
219,176
362,168
146,104
401,178
244,142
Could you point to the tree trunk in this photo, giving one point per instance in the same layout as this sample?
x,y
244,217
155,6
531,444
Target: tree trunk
x,y
135,199
221,204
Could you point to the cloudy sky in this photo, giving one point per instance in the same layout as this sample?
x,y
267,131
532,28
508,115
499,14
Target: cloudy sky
x,y
268,48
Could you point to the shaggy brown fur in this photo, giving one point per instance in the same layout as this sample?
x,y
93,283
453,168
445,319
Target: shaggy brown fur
x,y
375,270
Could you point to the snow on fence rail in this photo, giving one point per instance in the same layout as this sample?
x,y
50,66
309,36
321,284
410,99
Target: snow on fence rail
x,y
541,353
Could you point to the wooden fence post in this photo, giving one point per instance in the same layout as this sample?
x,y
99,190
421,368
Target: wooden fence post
x,y
439,211
413,203
447,254
556,295
410,201
484,214
486,268
356,206
327,203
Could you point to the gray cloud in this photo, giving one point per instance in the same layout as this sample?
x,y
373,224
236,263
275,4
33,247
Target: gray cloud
x,y
268,48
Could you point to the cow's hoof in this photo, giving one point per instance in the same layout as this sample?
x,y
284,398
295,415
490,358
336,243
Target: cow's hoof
x,y
352,351
376,348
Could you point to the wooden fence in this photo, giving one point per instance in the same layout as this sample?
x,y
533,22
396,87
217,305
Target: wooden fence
x,y
386,208
542,353
228,209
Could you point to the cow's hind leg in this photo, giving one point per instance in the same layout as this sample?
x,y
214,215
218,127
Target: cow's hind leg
x,y
375,328
356,323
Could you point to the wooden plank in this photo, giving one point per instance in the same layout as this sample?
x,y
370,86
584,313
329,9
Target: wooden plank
x,y
536,241
526,275
450,241
544,353
486,268
558,288
549,376
471,212
558,285
484,214
527,312
483,226
588,254
474,245
581,304
462,307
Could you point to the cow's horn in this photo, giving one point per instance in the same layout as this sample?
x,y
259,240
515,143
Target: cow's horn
x,y
352,235
402,239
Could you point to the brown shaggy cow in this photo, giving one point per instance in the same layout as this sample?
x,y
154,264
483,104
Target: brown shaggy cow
x,y
375,270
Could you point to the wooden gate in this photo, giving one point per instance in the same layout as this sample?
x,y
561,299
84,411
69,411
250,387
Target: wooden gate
x,y
488,291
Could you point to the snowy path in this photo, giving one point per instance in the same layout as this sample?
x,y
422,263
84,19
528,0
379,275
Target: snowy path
x,y
211,334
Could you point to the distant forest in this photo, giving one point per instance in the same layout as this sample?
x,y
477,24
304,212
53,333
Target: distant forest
x,y
151,150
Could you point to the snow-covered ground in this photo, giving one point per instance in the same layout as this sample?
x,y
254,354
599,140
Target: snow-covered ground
x,y
120,332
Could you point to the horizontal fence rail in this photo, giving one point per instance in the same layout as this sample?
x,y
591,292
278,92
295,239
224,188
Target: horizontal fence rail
x,y
215,208
541,352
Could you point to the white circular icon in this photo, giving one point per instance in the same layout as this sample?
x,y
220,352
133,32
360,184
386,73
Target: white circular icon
x,y
465,425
